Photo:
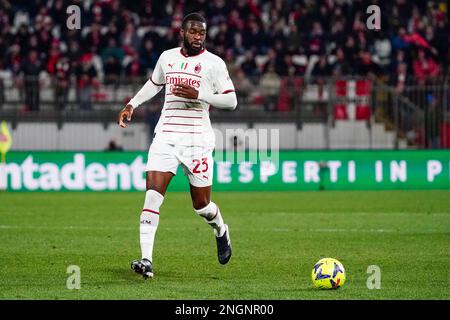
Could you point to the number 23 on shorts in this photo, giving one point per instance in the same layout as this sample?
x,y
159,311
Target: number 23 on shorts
x,y
200,165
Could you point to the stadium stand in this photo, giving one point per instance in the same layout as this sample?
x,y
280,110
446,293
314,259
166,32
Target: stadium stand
x,y
309,68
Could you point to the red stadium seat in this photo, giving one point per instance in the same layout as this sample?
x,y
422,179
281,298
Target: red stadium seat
x,y
284,100
341,88
363,87
298,82
362,112
363,90
340,112
258,99
99,96
445,135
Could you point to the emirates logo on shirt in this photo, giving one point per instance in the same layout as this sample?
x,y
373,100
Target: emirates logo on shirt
x,y
184,80
198,68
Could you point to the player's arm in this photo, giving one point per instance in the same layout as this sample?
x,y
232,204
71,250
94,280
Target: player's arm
x,y
225,100
148,91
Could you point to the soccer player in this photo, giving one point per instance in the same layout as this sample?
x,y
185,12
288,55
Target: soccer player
x,y
194,80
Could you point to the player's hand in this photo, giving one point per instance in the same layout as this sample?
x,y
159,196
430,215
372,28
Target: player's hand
x,y
185,91
125,113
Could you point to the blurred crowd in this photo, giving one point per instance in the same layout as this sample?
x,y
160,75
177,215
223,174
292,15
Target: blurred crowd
x,y
258,39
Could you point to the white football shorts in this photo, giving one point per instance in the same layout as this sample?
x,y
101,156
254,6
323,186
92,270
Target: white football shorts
x,y
197,161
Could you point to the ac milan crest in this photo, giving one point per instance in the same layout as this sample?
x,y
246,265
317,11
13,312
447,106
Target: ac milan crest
x,y
198,68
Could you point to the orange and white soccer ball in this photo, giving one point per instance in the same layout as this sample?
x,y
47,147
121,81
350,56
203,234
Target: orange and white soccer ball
x,y
328,273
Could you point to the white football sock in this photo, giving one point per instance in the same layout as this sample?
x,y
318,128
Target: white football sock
x,y
211,214
149,222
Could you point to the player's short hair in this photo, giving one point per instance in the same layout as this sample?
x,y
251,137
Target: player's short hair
x,y
192,17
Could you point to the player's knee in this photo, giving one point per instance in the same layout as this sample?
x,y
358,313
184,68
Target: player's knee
x,y
200,203
153,200
150,185
207,211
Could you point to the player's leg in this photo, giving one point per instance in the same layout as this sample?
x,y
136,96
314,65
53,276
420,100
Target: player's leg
x,y
161,167
157,183
198,164
210,212
201,201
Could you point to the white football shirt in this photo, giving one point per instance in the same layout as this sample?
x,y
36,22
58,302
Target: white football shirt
x,y
186,121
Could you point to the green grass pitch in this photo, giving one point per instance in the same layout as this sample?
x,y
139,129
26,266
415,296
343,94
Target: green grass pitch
x,y
276,236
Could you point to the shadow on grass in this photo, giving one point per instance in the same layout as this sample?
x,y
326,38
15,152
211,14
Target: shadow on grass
x,y
124,274
128,275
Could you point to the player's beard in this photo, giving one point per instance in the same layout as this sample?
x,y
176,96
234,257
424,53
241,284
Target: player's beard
x,y
191,51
